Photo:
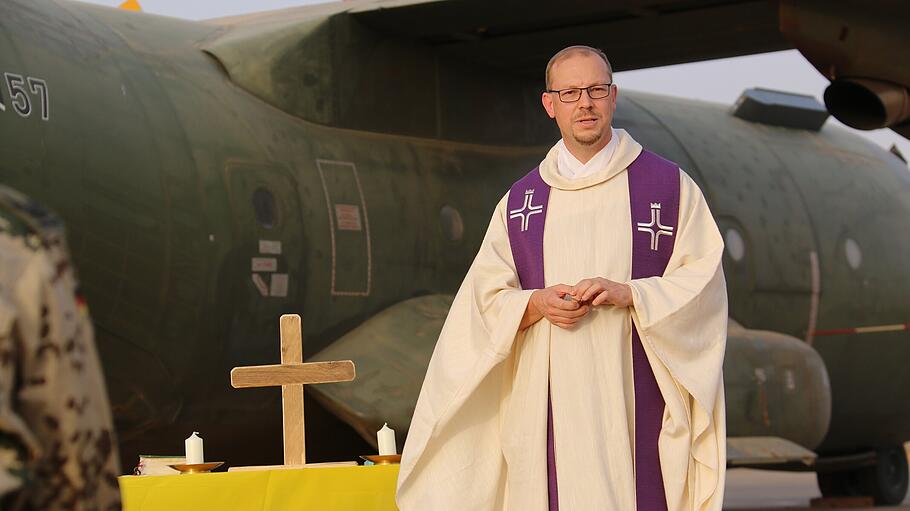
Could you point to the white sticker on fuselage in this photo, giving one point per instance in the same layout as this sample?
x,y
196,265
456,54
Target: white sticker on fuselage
x,y
260,284
269,247
265,264
279,285
347,217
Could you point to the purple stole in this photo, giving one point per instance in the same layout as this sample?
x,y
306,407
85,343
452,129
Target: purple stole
x,y
654,199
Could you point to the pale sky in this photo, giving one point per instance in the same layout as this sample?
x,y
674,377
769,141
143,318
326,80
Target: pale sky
x,y
719,80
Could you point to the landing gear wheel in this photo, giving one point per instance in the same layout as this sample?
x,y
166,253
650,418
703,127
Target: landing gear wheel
x,y
887,480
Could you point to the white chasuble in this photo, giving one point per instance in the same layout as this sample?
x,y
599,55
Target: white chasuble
x,y
477,440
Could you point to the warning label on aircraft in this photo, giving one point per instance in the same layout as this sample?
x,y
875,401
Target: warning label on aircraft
x,y
279,285
260,284
269,247
265,264
348,217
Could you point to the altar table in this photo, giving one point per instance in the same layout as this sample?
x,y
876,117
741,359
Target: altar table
x,y
360,488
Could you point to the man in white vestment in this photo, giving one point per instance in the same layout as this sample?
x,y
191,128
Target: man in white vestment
x,y
510,361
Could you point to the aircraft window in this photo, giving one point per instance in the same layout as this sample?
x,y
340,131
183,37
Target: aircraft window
x,y
736,247
264,207
451,223
854,254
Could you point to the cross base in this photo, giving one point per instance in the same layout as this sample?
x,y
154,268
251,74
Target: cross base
x,y
294,467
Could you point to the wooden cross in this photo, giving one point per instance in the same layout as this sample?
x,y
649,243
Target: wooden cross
x,y
292,374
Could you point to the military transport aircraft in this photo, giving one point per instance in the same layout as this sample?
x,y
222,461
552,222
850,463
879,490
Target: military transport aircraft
x,y
342,160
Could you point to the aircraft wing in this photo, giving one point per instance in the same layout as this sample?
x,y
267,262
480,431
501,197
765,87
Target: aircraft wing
x,y
521,35
334,63
855,44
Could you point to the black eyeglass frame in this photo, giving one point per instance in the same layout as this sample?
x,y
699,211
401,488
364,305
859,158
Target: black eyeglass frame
x,y
586,89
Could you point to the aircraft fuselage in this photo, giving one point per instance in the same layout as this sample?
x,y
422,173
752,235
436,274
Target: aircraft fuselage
x,y
198,213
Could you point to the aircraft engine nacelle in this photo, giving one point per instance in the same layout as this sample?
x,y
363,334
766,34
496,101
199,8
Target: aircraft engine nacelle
x,y
776,386
868,104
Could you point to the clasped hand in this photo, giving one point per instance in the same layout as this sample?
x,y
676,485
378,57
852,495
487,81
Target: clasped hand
x,y
564,305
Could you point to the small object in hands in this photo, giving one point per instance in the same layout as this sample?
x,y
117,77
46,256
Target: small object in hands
x,y
569,298
386,440
390,459
194,449
196,468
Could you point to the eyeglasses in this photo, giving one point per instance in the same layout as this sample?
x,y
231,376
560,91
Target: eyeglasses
x,y
573,94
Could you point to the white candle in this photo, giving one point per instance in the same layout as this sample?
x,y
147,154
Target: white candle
x,y
194,449
386,437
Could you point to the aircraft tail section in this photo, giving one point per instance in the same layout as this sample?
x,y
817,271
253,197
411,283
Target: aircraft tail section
x,y
130,5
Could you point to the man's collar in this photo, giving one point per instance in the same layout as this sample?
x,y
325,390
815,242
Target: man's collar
x,y
624,153
572,168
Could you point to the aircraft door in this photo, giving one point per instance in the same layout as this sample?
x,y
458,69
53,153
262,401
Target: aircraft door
x,y
349,228
266,259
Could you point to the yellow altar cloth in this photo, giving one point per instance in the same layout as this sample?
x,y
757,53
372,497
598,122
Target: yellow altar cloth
x,y
361,488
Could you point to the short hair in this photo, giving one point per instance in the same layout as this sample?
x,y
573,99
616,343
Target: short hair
x,y
575,50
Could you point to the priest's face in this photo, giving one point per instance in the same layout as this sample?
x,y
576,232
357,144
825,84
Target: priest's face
x,y
585,123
